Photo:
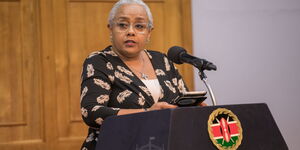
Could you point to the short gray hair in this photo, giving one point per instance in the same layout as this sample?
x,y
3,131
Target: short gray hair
x,y
113,11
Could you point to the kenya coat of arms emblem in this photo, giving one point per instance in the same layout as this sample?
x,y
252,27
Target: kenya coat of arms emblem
x,y
225,130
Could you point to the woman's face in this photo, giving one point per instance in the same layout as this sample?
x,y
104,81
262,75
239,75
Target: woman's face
x,y
130,30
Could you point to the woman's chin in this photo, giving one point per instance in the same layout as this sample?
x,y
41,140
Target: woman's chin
x,y
132,49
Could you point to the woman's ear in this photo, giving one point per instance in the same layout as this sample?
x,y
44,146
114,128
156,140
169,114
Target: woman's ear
x,y
109,27
149,35
110,37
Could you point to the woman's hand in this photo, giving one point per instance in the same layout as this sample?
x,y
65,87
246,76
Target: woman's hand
x,y
161,105
202,104
155,106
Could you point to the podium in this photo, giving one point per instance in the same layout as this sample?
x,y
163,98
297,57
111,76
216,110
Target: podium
x,y
186,128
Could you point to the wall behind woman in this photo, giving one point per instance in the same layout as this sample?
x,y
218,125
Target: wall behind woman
x,y
255,44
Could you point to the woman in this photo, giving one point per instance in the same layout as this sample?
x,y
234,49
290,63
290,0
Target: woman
x,y
125,78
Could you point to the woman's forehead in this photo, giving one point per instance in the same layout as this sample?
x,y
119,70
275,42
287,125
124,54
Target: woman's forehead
x,y
128,18
131,12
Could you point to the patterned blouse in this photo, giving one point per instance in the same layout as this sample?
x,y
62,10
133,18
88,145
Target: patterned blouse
x,y
108,85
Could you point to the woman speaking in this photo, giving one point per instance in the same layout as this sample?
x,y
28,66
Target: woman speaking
x,y
126,78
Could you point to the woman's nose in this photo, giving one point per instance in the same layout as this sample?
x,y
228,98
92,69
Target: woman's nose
x,y
131,30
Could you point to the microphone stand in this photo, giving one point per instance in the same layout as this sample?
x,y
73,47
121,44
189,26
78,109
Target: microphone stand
x,y
203,77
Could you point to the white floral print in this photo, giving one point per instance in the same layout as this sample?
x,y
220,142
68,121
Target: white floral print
x,y
121,97
174,80
111,78
112,53
90,138
95,108
181,86
102,53
115,108
124,70
170,86
146,90
109,66
104,72
93,54
90,70
160,72
84,148
141,100
99,120
102,99
83,93
84,112
161,93
102,84
122,77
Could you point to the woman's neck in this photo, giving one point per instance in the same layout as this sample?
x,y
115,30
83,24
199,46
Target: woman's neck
x,y
138,58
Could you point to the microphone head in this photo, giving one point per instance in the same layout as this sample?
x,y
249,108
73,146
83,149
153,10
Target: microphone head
x,y
174,54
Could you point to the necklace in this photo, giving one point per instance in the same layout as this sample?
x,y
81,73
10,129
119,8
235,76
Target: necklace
x,y
143,75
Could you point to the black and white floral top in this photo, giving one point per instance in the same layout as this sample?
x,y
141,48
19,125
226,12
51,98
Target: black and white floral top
x,y
108,85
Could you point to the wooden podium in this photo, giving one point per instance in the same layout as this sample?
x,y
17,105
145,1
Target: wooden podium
x,y
186,128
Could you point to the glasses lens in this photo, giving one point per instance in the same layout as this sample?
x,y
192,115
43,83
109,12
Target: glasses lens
x,y
139,28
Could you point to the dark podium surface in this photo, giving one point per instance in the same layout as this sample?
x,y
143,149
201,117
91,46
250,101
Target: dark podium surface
x,y
185,128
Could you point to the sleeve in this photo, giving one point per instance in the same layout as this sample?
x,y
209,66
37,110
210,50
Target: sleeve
x,y
95,90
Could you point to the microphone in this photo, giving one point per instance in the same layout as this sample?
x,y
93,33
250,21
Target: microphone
x,y
179,55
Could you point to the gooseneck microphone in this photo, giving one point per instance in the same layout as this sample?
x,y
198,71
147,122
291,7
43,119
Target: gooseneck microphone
x,y
179,55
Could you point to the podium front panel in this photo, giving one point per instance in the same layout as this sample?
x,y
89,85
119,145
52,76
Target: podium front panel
x,y
139,131
189,130
186,128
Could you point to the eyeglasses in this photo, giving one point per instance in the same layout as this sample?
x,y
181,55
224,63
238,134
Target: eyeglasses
x,y
139,28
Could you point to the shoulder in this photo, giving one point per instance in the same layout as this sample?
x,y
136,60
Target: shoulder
x,y
155,54
100,56
98,63
159,56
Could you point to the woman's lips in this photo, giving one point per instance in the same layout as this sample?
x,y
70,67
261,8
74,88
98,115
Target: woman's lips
x,y
130,43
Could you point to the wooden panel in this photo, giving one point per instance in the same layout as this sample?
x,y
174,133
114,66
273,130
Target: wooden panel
x,y
48,77
9,0
112,1
11,95
68,60
20,115
157,40
187,41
